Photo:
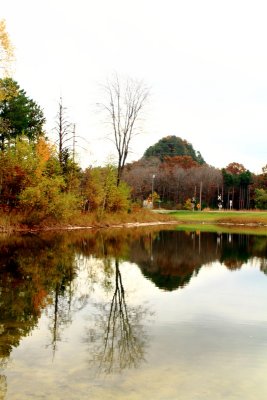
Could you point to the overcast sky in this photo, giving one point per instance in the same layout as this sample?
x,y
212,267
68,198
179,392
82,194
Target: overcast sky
x,y
205,62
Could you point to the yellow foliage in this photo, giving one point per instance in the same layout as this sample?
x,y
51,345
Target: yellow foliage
x,y
188,204
8,89
6,49
43,152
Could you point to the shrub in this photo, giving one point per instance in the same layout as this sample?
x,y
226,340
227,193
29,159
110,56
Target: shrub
x,y
101,191
47,199
261,199
188,204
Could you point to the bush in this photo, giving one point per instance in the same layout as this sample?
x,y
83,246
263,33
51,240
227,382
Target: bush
x,y
188,205
118,198
47,200
101,192
261,199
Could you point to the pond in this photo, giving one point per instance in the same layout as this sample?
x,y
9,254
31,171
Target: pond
x,y
133,314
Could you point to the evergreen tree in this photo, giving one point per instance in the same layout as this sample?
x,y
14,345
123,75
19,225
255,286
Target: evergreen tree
x,y
19,115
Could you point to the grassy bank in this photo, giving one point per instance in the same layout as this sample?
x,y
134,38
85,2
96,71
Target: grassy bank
x,y
214,217
211,221
15,221
223,221
221,228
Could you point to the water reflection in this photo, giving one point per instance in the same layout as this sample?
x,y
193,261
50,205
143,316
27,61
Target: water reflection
x,y
35,270
38,274
118,337
3,387
171,258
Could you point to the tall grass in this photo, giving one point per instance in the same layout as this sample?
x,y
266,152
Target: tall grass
x,y
17,222
9,221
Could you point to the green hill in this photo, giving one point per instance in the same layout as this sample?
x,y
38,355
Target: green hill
x,y
173,146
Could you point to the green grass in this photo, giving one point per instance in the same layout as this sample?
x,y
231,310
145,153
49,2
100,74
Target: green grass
x,y
241,217
248,230
223,221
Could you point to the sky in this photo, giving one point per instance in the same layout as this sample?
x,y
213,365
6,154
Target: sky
x,y
205,62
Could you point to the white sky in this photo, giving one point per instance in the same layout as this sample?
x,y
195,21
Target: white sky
x,y
205,61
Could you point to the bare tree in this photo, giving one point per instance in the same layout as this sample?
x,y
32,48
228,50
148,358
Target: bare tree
x,y
124,104
63,130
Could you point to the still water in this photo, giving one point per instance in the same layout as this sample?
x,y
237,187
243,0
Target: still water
x,y
133,314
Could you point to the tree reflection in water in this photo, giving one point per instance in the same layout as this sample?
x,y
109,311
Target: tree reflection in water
x,y
118,339
38,274
3,386
59,317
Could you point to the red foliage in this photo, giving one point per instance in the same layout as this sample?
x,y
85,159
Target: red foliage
x,y
185,162
235,168
12,182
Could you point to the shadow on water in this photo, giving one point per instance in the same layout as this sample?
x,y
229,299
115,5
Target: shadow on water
x,y
37,272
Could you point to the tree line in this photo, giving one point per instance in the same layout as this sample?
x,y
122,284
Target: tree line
x,y
43,179
181,179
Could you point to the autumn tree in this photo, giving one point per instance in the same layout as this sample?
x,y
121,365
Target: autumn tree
x,y
92,189
261,199
6,58
6,51
138,175
237,180
176,179
185,162
235,168
12,178
125,101
28,182
18,167
260,181
48,199
100,190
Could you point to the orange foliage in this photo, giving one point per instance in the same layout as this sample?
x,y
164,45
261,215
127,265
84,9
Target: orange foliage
x,y
235,168
39,300
43,150
185,162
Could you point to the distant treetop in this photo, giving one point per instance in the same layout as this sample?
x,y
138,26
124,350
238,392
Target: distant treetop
x,y
171,146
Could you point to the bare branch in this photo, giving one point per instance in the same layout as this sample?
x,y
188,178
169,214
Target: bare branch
x,y
125,102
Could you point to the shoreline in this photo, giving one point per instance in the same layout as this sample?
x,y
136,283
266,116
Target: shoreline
x,y
178,223
212,221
